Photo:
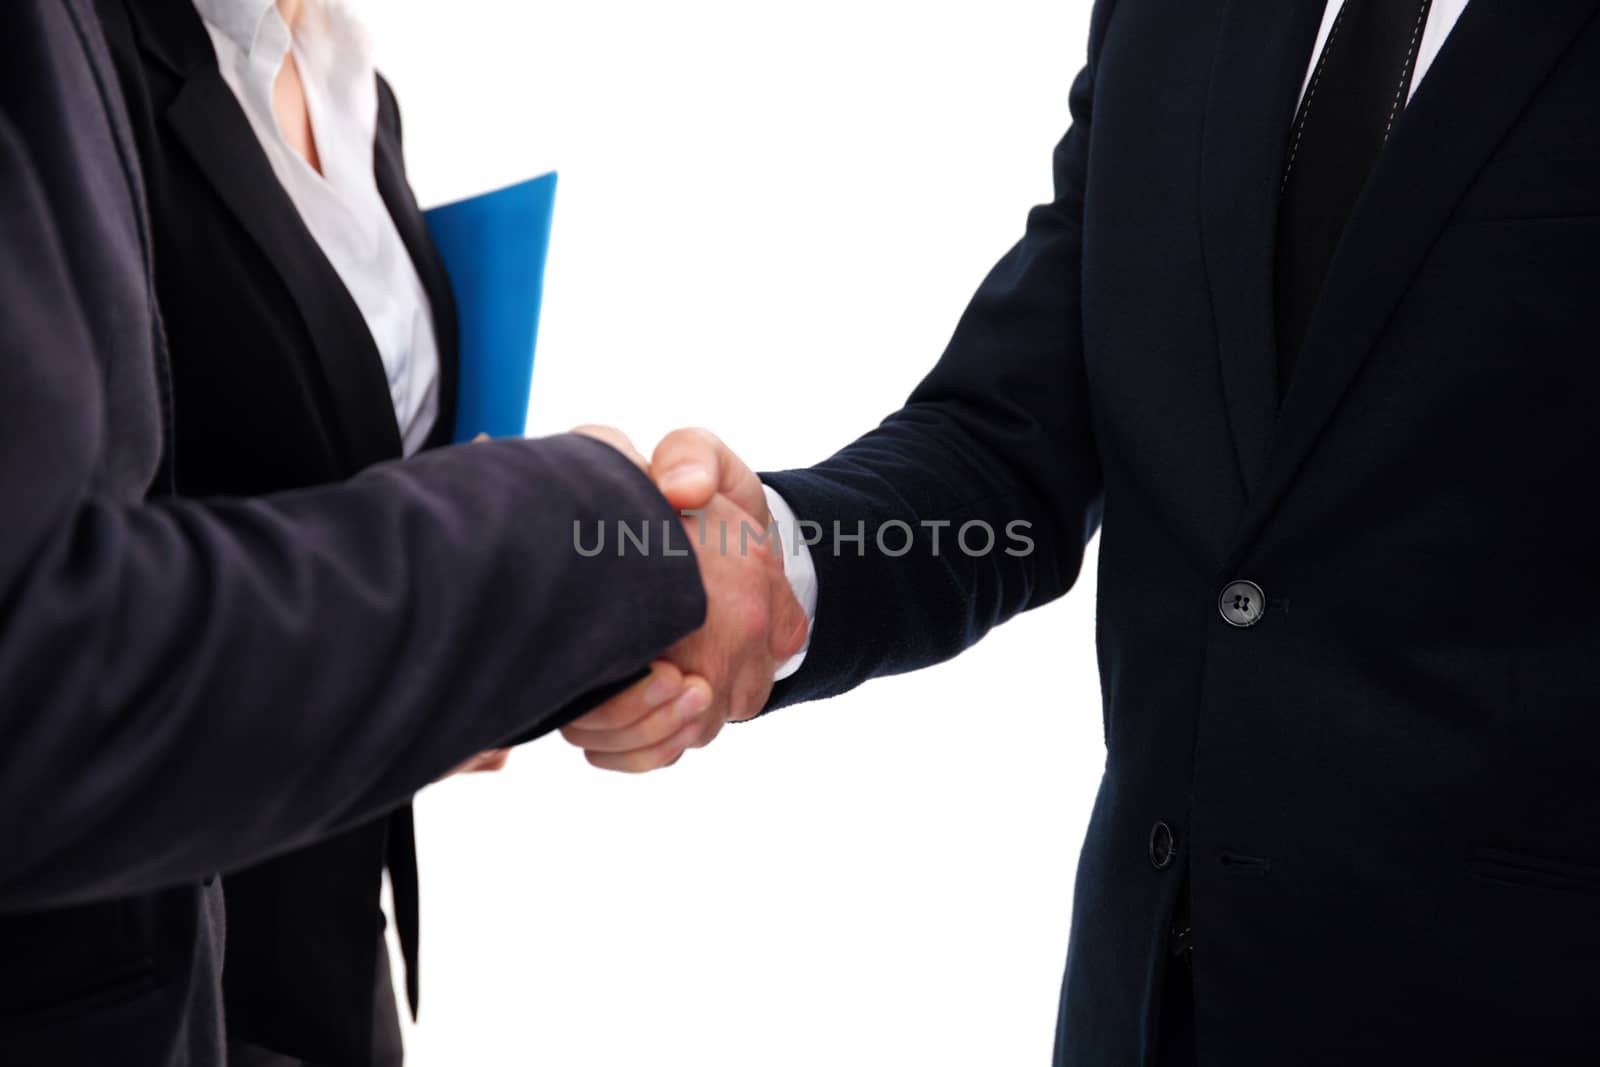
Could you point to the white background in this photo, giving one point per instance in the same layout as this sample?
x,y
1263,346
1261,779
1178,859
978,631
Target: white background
x,y
770,217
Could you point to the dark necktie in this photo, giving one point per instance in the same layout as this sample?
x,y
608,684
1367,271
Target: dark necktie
x,y
1357,90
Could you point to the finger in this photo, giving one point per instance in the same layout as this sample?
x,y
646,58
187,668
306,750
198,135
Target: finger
x,y
662,684
617,440
484,762
654,758
658,726
692,466
493,760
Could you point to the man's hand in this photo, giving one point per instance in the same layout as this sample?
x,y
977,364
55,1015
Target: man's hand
x,y
753,622
638,729
618,440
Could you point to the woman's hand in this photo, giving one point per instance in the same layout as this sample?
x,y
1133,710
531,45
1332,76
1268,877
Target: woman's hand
x,y
493,760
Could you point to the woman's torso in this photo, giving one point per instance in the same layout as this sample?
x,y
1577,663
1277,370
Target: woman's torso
x,y
285,376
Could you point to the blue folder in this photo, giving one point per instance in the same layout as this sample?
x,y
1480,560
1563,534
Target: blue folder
x,y
494,247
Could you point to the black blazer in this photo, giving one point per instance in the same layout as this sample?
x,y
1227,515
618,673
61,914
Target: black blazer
x,y
1383,794
176,679
277,385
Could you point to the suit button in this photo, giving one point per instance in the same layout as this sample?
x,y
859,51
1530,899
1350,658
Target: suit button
x,y
1163,846
1242,604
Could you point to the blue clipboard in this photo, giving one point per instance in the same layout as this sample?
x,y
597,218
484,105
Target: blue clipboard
x,y
495,247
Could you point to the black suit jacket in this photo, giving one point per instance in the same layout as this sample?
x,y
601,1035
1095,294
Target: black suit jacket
x,y
193,687
277,385
1383,794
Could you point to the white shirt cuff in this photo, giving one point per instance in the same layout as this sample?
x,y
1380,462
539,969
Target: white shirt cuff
x,y
799,568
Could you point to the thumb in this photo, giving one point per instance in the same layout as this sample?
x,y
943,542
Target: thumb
x,y
693,466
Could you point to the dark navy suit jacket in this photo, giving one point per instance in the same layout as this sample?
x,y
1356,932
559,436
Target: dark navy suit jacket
x,y
188,688
1384,795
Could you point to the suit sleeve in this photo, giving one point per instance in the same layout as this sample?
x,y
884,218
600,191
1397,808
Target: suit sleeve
x,y
997,439
187,688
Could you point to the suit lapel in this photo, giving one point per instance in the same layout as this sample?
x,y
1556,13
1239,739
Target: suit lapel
x,y
213,129
1260,63
1498,56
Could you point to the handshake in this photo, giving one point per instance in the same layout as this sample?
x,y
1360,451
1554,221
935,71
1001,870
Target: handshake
x,y
723,672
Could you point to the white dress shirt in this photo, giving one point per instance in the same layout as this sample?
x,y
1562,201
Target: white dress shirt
x,y
341,207
801,569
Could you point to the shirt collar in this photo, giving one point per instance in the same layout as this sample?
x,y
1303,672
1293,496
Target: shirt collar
x,y
239,20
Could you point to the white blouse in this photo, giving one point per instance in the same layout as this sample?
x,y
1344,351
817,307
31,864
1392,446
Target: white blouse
x,y
341,207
